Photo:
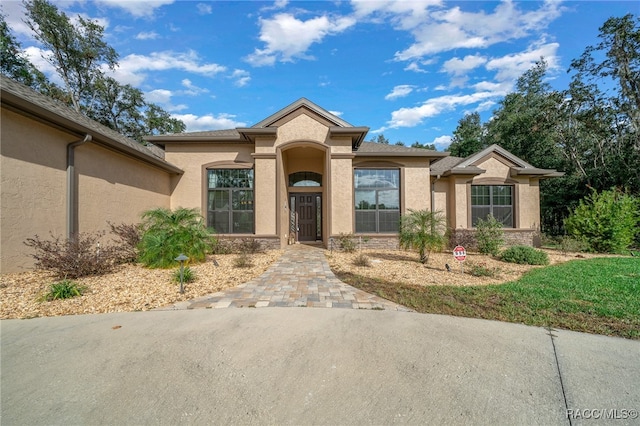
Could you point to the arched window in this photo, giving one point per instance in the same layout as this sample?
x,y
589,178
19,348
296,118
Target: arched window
x,y
305,179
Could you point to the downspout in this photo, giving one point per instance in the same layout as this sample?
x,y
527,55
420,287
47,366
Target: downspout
x,y
72,202
433,193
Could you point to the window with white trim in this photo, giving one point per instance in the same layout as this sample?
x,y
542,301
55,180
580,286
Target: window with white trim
x,y
230,201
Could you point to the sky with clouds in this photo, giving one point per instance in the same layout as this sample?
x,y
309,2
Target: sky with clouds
x,y
408,69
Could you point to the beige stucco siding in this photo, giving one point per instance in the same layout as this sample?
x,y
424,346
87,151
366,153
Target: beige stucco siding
x,y
265,196
341,196
416,192
33,200
301,128
528,203
116,188
33,193
440,197
189,188
494,169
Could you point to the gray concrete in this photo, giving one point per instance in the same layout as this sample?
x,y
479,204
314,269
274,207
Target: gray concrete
x,y
306,366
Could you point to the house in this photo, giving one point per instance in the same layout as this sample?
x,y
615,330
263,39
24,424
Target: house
x,y
300,175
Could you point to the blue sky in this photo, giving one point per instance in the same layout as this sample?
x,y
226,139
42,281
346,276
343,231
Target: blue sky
x,y
407,69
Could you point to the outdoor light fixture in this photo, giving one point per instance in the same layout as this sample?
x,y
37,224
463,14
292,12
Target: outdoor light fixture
x,y
181,259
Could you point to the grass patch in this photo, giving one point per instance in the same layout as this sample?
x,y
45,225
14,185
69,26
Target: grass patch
x,y
599,296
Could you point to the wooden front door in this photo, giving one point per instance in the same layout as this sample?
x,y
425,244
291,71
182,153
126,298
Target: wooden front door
x,y
308,208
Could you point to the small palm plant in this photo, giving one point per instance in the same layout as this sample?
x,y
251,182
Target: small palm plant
x,y
422,230
168,233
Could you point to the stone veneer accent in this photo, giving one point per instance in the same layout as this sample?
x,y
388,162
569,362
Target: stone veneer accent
x,y
512,237
389,242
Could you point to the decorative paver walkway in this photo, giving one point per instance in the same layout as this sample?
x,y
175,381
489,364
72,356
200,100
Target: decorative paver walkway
x,y
301,277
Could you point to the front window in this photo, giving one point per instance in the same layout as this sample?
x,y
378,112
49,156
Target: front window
x,y
377,200
495,200
230,201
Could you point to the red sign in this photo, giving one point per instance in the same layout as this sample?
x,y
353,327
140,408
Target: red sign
x,y
460,253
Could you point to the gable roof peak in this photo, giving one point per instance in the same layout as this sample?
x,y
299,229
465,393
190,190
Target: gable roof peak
x,y
499,150
302,102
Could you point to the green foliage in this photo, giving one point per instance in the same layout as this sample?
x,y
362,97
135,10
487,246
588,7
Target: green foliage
x,y
65,289
422,230
524,255
468,136
77,50
188,275
607,221
167,234
347,242
489,235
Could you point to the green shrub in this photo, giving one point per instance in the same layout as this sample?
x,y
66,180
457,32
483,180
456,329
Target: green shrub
x,y
347,242
74,258
570,244
167,234
188,275
489,235
607,221
422,230
525,255
65,289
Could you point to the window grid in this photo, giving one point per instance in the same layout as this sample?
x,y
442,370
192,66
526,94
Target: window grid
x,y
494,200
230,201
377,200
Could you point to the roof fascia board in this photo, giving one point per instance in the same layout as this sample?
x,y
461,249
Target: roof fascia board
x,y
297,104
50,118
497,149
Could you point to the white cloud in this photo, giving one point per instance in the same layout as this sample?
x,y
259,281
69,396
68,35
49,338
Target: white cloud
x,y
400,92
241,77
191,89
204,9
457,66
163,97
442,142
138,9
287,38
196,123
132,67
438,29
411,117
511,67
337,113
151,35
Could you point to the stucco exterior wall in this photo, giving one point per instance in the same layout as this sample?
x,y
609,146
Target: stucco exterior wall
x,y
416,190
33,199
529,204
265,196
302,127
191,158
115,188
33,195
341,196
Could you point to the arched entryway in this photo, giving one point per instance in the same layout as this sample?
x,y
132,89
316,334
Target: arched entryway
x,y
304,173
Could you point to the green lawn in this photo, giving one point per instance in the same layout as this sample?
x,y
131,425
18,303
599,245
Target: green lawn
x,y
596,296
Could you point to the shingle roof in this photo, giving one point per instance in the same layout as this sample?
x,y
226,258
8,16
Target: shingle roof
x,y
444,164
24,99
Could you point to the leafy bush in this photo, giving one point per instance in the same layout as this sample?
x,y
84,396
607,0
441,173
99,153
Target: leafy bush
x,y
65,289
489,235
570,244
608,221
188,275
167,234
422,230
347,242
461,237
127,241
73,258
525,255
361,260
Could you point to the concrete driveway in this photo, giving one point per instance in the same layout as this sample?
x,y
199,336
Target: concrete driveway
x,y
310,366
